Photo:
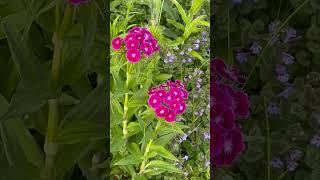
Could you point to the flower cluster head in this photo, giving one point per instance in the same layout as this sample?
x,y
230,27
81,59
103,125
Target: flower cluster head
x,y
227,104
138,41
168,100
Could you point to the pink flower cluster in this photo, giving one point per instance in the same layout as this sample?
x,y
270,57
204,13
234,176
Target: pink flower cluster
x,y
168,100
137,41
227,104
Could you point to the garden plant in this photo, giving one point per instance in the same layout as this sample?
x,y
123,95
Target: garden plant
x,y
274,46
159,89
53,89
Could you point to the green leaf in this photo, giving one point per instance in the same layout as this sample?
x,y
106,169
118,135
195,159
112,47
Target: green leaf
x,y
163,152
181,11
195,7
132,159
16,20
25,100
133,128
32,72
162,165
162,77
176,24
26,141
196,55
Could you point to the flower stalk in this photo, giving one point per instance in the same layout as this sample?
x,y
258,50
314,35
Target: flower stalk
x,y
50,146
145,156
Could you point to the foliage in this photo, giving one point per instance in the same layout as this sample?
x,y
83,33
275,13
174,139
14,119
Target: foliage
x,y
284,104
52,90
142,146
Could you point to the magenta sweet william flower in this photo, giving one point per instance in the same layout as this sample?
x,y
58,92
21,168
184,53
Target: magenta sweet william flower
x,y
170,116
172,97
227,103
130,37
117,43
161,111
161,94
139,39
133,55
132,44
232,147
217,135
154,101
146,49
76,2
223,115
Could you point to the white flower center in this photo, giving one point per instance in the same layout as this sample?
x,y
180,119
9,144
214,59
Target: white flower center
x,y
162,111
154,101
133,55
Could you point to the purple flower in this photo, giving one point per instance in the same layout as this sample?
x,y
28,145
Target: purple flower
x,y
255,48
242,57
154,101
232,146
161,111
276,163
290,34
206,135
133,55
223,116
116,43
217,134
132,44
181,53
315,140
295,154
273,109
272,27
292,165
146,49
287,58
196,46
185,157
282,74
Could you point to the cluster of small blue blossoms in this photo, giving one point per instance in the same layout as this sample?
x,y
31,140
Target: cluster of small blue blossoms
x,y
291,160
182,53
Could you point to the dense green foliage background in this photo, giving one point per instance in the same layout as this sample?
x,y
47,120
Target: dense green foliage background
x,y
236,27
53,69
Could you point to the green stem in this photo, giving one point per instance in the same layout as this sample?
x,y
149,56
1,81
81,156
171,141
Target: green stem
x,y
145,156
50,146
268,143
125,116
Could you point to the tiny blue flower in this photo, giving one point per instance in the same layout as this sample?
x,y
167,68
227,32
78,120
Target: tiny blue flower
x,y
273,109
185,157
255,48
315,140
276,163
287,58
242,57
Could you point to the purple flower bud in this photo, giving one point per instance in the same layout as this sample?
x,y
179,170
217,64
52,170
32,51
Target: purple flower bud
x,y
276,163
315,140
287,58
255,48
290,34
273,109
242,57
